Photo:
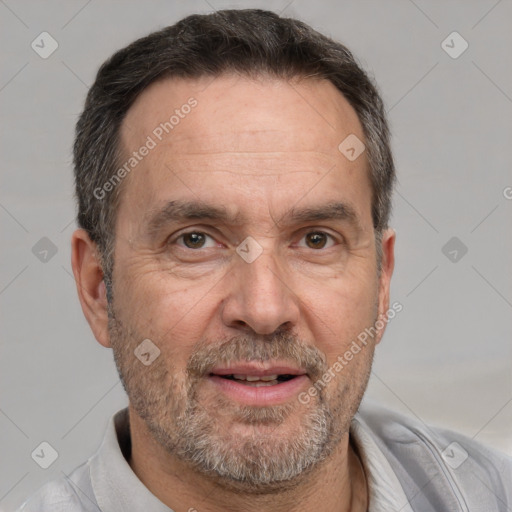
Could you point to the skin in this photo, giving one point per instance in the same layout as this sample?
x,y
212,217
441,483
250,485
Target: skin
x,y
259,148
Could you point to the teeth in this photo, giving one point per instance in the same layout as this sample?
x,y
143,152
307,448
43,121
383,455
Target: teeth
x,y
261,384
252,378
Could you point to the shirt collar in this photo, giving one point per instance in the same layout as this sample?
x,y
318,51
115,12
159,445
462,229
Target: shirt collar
x,y
116,487
385,492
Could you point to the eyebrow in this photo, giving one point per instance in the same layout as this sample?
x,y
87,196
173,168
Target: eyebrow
x,y
180,211
331,211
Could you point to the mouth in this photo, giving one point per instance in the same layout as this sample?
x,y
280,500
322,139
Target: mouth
x,y
259,381
259,384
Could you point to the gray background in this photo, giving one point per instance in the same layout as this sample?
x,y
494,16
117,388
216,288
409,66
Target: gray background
x,y
446,358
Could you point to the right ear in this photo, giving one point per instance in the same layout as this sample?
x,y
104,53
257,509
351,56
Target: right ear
x,y
90,285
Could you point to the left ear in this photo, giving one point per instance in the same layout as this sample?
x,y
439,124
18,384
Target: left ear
x,y
387,266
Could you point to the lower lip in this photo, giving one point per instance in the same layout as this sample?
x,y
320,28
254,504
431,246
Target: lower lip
x,y
264,395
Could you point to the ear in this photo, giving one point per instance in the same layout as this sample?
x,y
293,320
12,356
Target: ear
x,y
89,284
387,266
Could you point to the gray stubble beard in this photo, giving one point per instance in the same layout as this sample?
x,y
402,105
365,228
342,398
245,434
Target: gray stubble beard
x,y
259,463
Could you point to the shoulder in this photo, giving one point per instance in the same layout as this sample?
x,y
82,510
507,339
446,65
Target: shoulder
x,y
440,460
66,494
397,428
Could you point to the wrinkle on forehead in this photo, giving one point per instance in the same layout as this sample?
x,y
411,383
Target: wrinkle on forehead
x,y
255,164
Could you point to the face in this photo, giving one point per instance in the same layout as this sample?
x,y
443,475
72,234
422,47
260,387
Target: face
x,y
245,252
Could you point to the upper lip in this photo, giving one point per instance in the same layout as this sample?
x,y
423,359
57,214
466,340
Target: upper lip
x,y
258,369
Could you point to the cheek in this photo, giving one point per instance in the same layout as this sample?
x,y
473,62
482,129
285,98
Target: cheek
x,y
172,313
341,310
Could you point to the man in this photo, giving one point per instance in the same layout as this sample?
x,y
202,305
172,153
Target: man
x,y
234,181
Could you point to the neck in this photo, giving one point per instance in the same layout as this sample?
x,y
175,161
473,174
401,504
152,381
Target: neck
x,y
339,483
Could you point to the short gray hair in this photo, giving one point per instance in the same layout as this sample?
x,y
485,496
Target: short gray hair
x,y
250,42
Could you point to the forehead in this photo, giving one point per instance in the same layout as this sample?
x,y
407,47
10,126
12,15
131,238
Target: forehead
x,y
231,133
312,112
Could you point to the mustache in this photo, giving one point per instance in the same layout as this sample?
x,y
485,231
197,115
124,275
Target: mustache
x,y
282,346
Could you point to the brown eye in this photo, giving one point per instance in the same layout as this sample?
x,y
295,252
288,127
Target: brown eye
x,y
316,240
194,240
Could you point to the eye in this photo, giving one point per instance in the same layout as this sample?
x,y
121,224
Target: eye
x,y
196,240
317,240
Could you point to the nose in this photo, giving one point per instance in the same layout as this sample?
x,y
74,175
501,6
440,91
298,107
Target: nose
x,y
260,299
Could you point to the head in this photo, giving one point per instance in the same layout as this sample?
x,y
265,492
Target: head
x,y
223,219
